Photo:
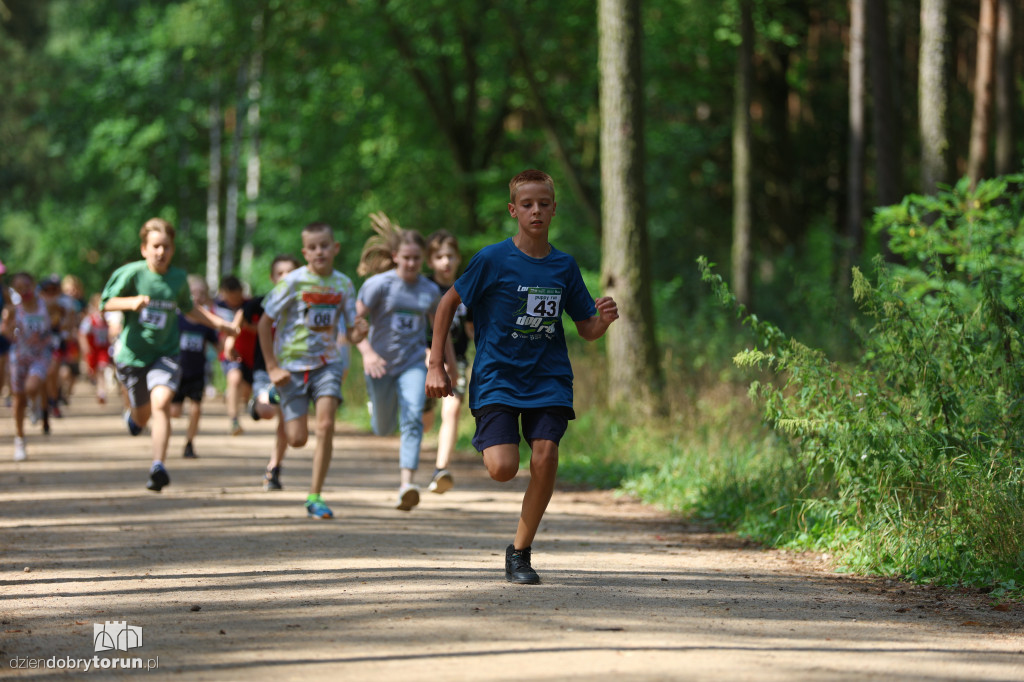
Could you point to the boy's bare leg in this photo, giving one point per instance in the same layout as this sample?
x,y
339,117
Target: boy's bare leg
x,y
502,461
280,445
160,413
326,406
19,403
193,420
296,432
449,430
141,415
233,392
543,467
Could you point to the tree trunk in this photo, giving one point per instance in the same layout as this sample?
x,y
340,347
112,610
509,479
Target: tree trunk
x,y
932,95
252,175
978,151
855,149
234,170
885,121
742,168
634,373
213,198
1005,154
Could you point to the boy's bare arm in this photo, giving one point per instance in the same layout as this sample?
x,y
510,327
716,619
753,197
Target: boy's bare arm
x,y
594,328
265,334
7,322
201,315
124,304
373,364
358,331
439,384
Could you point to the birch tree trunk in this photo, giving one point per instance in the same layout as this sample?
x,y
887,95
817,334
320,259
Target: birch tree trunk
x,y
252,174
978,151
234,167
855,148
213,198
634,372
742,220
932,95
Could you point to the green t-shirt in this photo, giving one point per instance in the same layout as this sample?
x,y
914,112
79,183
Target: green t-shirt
x,y
151,333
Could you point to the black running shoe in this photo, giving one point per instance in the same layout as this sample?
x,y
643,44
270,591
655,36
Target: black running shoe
x,y
253,412
189,452
517,566
272,479
158,478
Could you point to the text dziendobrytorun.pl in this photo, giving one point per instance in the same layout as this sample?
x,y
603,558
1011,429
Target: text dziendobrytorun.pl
x,y
85,664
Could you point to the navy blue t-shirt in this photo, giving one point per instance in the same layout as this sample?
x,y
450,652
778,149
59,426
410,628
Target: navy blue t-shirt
x,y
517,303
194,338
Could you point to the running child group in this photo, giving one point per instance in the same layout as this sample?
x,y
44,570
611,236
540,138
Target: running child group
x,y
157,328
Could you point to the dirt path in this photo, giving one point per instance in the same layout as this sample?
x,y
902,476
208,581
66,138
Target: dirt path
x,y
228,582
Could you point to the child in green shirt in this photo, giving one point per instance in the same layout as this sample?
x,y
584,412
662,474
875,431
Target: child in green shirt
x,y
150,293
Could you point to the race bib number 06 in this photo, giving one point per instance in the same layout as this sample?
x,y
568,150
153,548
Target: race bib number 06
x,y
542,302
321,317
190,341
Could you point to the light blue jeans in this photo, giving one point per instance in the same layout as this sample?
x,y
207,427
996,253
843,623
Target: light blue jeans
x,y
398,401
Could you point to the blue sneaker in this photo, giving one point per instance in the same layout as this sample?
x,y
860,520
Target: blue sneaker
x,y
316,509
133,428
158,478
274,396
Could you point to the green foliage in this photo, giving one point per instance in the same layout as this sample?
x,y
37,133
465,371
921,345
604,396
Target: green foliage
x,y
911,456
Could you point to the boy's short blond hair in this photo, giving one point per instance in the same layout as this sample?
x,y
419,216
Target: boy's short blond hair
x,y
316,228
156,225
528,176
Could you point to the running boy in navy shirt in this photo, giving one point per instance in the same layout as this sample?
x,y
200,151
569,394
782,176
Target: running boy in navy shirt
x,y
517,290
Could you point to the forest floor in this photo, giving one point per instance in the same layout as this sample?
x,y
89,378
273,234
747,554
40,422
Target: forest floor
x,y
228,582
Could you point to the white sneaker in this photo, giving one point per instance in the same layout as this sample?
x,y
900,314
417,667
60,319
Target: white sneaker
x,y
19,450
442,482
408,497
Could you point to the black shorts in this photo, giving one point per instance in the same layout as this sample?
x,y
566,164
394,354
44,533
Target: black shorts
x,y
192,388
499,424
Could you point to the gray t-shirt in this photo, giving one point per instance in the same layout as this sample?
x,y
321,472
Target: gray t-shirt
x,y
310,312
399,317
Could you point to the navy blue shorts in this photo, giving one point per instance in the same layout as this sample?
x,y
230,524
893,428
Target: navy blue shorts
x,y
499,424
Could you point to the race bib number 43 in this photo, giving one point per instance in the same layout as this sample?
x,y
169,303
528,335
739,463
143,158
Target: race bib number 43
x,y
543,302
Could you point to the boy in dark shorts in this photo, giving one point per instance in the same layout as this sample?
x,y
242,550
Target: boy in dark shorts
x,y
518,290
194,340
265,401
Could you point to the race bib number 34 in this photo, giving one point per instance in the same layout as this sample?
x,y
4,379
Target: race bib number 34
x,y
542,302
